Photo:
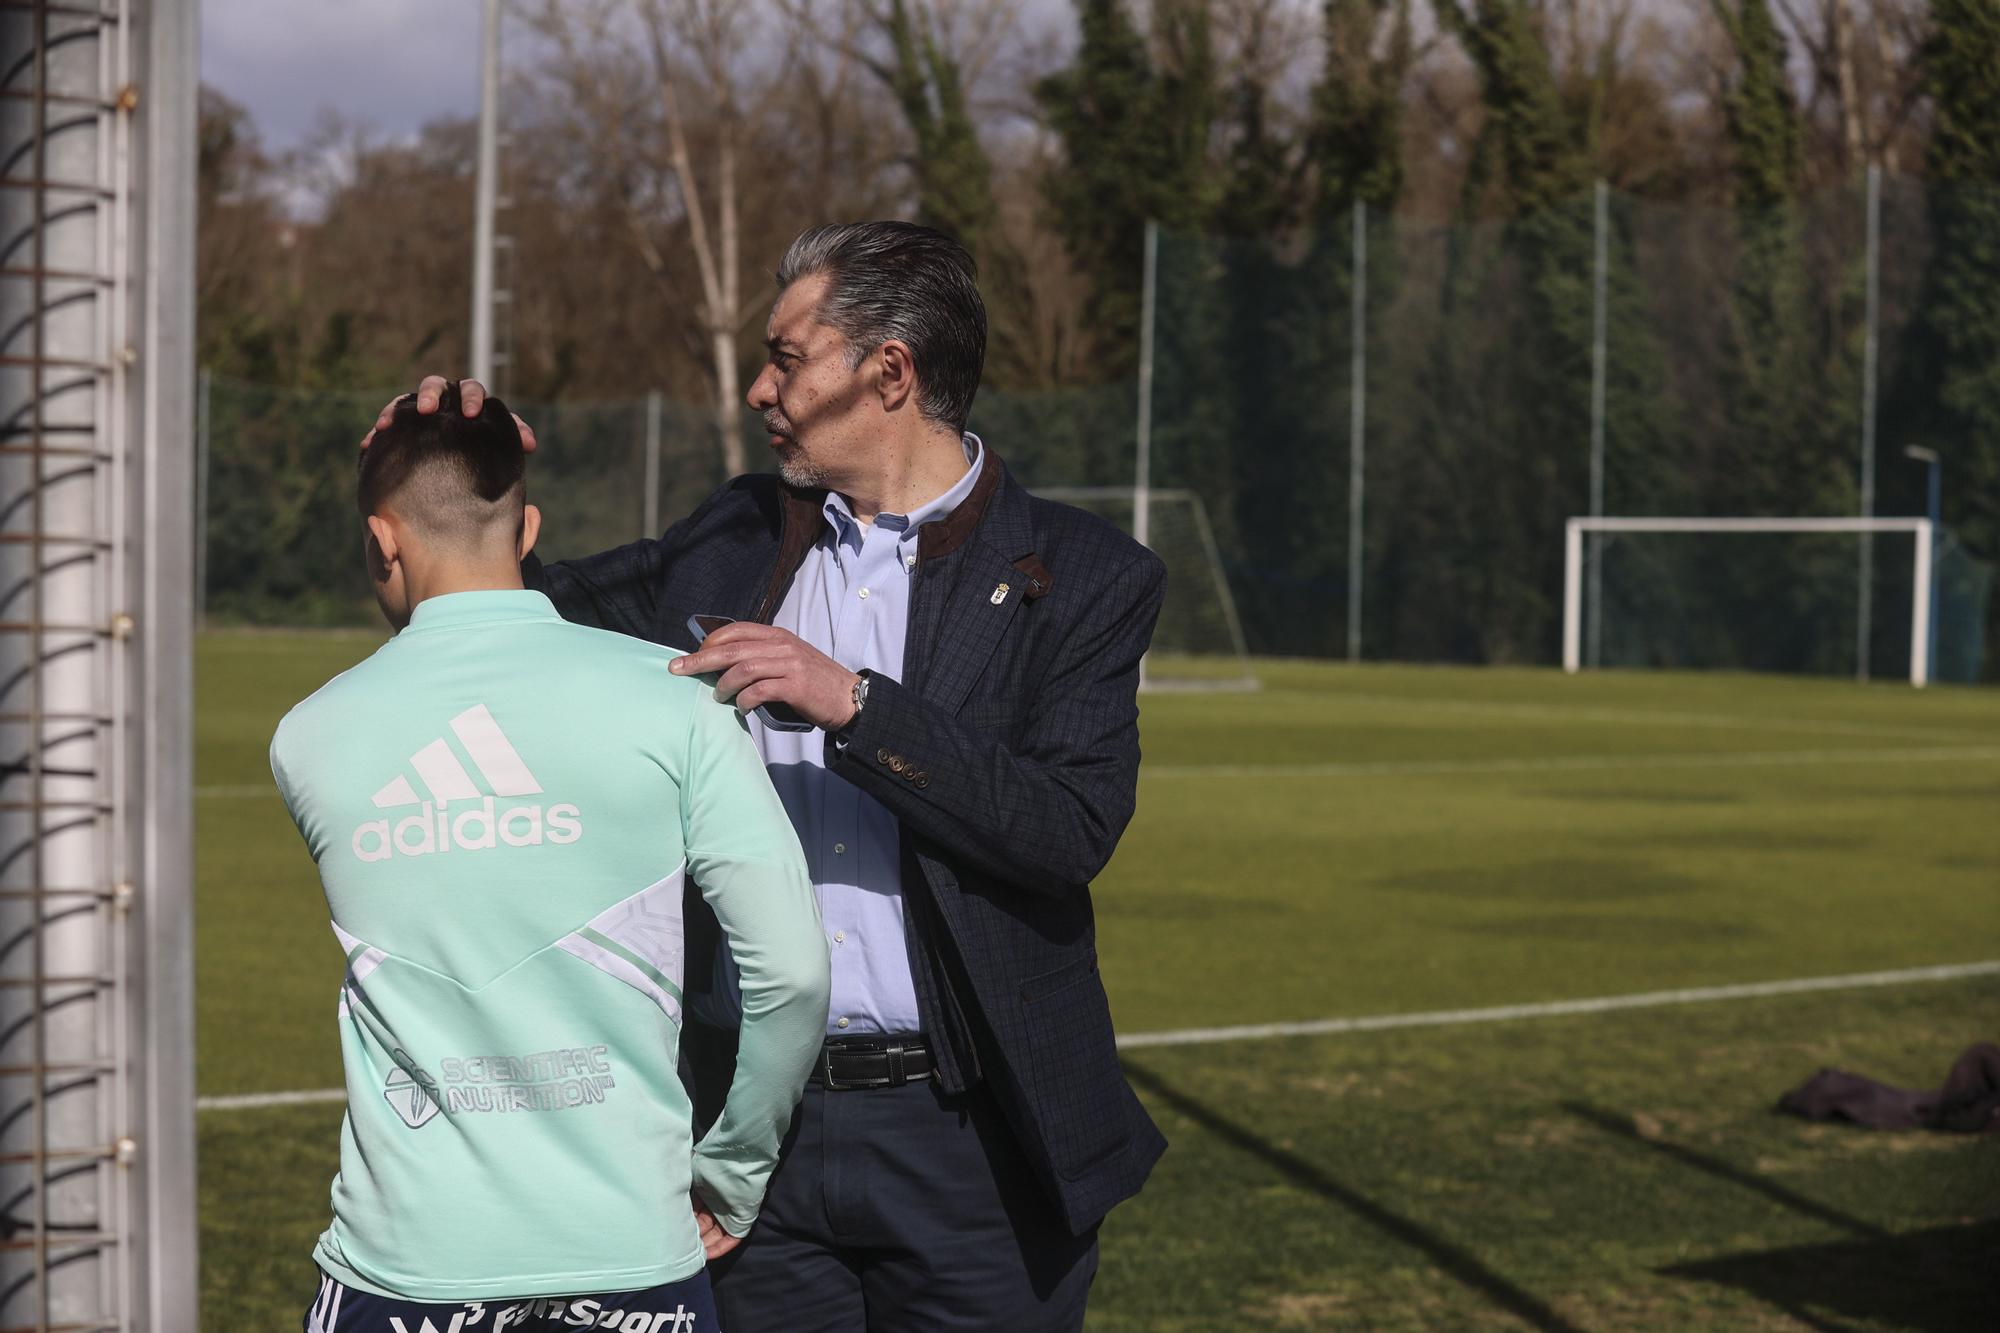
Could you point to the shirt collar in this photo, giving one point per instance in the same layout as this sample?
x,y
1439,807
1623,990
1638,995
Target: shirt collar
x,y
848,530
452,609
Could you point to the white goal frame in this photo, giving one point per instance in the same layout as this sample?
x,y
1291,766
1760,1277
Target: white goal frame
x,y
1142,502
1921,529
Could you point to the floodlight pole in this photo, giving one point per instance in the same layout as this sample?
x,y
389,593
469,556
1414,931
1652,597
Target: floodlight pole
x,y
1600,282
1357,429
1865,612
1142,472
485,199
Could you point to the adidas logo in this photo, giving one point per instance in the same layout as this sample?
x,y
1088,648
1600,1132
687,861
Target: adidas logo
x,y
435,828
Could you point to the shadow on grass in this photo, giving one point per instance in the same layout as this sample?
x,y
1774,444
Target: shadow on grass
x,y
1622,1126
1456,1263
1940,1280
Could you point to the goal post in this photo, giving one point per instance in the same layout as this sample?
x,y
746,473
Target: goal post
x,y
1198,643
1920,530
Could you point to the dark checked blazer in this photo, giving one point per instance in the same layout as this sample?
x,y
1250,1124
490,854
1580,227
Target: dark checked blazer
x,y
1008,751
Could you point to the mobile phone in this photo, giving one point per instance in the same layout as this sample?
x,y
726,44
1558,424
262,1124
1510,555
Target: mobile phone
x,y
778,717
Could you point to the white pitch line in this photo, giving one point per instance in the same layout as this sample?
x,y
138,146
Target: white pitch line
x,y
1419,767
255,1101
1575,763
1662,717
1554,1008
1378,1022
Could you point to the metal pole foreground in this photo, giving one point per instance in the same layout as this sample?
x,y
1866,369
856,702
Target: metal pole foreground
x,y
1357,428
97,496
485,198
1921,529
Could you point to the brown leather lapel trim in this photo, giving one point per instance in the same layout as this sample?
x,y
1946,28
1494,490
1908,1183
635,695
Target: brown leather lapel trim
x,y
798,517
949,533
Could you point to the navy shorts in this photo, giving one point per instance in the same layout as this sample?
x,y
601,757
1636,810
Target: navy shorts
x,y
678,1307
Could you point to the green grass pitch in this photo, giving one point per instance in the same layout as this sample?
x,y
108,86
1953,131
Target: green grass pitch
x,y
1374,841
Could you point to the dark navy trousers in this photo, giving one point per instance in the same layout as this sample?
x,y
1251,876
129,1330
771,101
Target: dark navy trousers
x,y
900,1210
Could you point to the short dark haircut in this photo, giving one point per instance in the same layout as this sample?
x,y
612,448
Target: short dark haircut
x,y
898,280
450,475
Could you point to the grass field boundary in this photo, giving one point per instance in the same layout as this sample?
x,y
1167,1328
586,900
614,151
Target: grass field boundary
x,y
1325,1027
1668,717
1577,763
1602,1004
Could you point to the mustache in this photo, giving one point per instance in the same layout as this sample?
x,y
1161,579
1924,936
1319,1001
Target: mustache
x,y
774,424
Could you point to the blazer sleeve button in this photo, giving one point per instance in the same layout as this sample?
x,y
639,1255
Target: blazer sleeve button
x,y
881,756
923,780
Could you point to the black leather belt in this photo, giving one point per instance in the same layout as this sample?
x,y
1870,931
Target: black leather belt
x,y
886,1061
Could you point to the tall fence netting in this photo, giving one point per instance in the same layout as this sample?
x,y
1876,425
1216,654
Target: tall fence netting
x,y
1716,359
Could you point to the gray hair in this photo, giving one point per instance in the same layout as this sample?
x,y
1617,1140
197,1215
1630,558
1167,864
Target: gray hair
x,y
913,284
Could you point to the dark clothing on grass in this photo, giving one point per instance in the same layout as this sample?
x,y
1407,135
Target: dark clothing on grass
x,y
1968,1103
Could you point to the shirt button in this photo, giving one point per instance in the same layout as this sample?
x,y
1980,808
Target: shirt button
x,y
840,849
909,562
840,1022
840,937
864,594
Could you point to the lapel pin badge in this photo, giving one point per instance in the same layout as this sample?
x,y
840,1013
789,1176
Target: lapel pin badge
x,y
1000,594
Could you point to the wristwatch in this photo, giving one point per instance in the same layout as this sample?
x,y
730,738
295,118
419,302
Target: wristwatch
x,y
860,696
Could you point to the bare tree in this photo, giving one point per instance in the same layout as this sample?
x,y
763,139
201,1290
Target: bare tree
x,y
664,129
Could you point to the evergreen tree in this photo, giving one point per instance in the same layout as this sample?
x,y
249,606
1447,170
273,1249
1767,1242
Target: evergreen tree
x,y
954,178
1134,143
1949,398
1509,405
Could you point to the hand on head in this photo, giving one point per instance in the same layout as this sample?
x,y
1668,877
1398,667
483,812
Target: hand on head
x,y
471,399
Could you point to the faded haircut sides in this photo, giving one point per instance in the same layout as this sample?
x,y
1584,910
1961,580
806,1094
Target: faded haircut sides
x,y
452,477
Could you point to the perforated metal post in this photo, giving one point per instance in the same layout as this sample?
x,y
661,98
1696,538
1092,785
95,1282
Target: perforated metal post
x,y
96,1096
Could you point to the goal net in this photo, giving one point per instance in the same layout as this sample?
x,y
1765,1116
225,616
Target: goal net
x,y
1894,598
1199,641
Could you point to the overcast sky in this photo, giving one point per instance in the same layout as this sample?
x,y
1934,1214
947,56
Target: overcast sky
x,y
392,64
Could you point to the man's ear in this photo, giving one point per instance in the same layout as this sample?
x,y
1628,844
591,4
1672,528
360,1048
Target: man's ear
x,y
531,528
898,383
383,550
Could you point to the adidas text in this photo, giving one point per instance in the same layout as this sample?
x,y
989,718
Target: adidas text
x,y
437,829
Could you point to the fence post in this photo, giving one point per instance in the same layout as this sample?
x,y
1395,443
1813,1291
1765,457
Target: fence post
x,y
201,426
649,510
1865,611
1357,429
1599,364
1142,474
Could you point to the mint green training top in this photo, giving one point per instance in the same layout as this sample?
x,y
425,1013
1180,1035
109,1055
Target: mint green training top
x,y
503,807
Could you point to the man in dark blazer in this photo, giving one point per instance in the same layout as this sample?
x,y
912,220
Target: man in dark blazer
x,y
941,670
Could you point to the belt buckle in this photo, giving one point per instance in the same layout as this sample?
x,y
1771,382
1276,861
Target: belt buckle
x,y
888,1079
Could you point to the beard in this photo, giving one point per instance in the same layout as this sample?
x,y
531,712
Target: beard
x,y
795,465
798,470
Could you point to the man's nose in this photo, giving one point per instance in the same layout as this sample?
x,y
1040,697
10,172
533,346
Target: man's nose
x,y
763,393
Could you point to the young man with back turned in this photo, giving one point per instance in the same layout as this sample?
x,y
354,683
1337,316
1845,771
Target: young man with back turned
x,y
504,808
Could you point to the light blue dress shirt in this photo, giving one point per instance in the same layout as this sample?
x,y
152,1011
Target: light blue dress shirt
x,y
851,600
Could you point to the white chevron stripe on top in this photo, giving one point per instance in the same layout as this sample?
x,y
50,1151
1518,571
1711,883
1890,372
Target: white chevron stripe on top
x,y
494,755
443,774
399,792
